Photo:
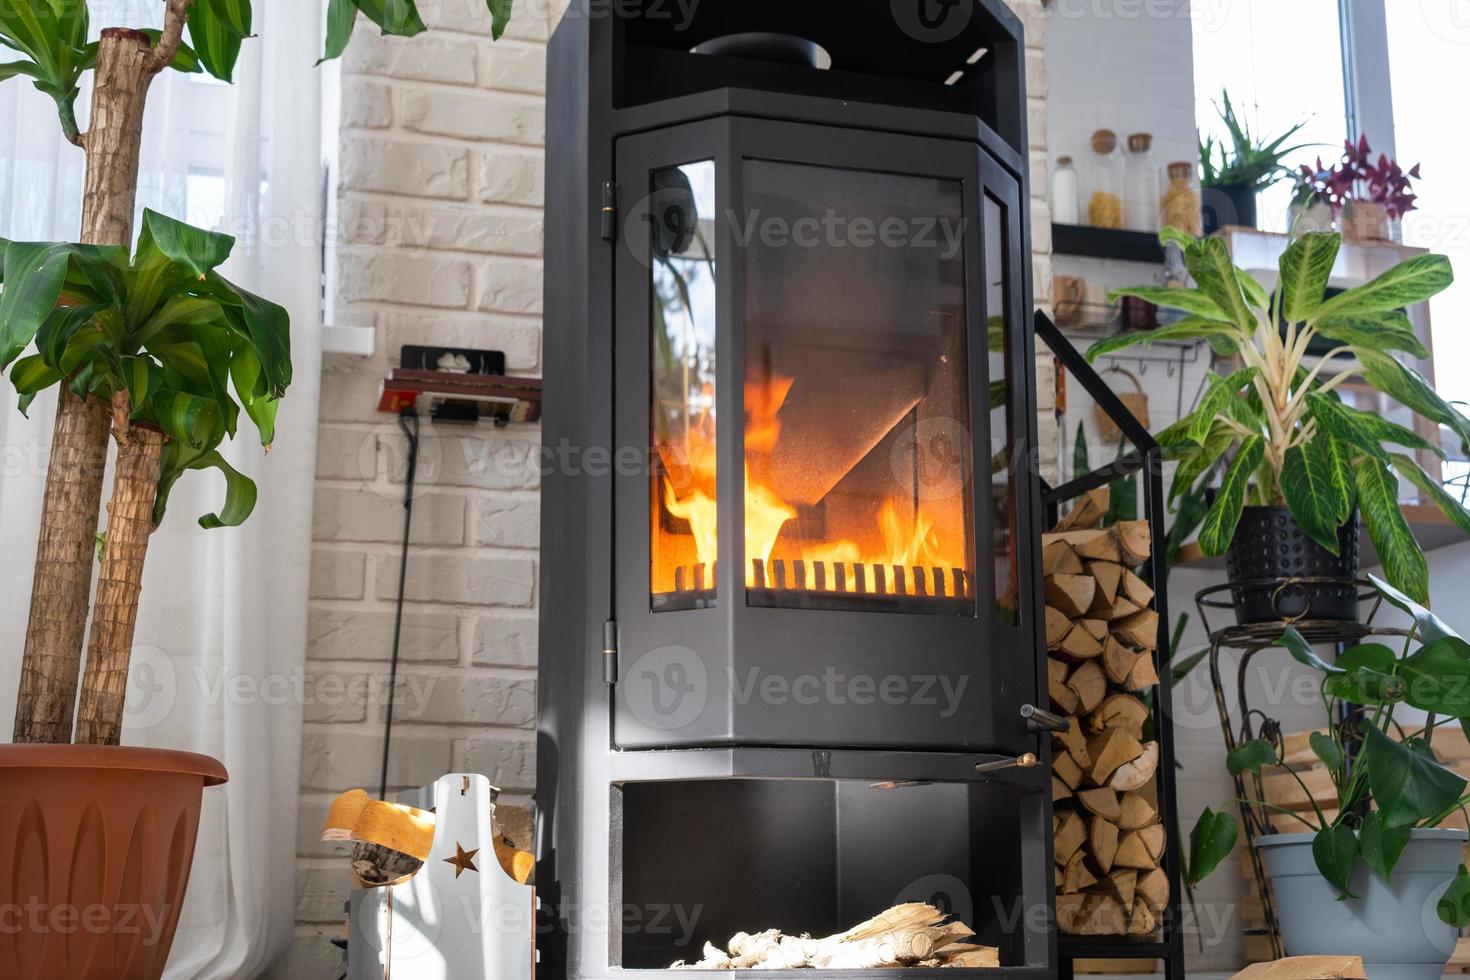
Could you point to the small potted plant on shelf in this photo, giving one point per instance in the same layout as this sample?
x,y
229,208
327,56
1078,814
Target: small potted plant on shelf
x,y
1376,876
1367,197
154,355
1232,173
1311,205
1298,465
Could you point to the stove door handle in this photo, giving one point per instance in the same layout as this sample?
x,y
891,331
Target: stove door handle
x,y
1041,720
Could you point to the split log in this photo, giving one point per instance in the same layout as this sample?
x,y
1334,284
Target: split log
x,y
1070,833
1069,910
1093,545
1140,630
1079,644
1096,628
1141,922
1136,589
1101,915
1135,812
1057,670
1136,773
1109,577
1110,750
1076,876
1144,674
1102,842
1154,839
1057,627
1135,541
1153,889
1090,685
1062,696
1120,711
1060,557
1118,660
1102,802
1121,608
1075,742
1065,768
1087,512
1059,790
1123,885
1072,594
1133,853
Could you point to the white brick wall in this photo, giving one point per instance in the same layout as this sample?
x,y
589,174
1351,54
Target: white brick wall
x,y
441,190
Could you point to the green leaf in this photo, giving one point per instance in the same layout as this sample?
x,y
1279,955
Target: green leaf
x,y
34,272
1409,282
1407,787
1365,430
1189,328
1430,627
1174,236
192,420
1432,489
264,325
1189,300
56,339
1335,849
1306,266
1209,262
1255,294
141,377
1374,331
499,16
240,494
1216,398
1301,651
1251,757
1403,561
31,375
1315,489
1367,676
1410,388
1453,907
249,388
196,249
1324,748
215,42
1219,524
1381,848
1437,677
1210,843
14,68
341,18
396,17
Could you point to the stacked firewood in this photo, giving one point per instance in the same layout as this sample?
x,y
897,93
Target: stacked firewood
x,y
910,935
1102,638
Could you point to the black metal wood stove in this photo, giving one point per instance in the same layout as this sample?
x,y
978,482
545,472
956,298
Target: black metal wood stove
x,y
789,592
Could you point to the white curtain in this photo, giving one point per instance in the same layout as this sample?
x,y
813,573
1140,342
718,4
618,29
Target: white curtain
x,y
222,631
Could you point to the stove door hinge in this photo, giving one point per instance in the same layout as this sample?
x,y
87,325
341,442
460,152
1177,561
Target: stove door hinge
x,y
609,210
610,652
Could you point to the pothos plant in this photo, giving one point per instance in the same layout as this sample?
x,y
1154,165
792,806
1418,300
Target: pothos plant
x,y
1387,779
149,348
1279,425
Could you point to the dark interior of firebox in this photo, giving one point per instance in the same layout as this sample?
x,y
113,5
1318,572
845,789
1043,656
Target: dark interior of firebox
x,y
700,860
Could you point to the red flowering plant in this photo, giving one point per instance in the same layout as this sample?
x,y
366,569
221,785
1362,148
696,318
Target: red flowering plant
x,y
1357,177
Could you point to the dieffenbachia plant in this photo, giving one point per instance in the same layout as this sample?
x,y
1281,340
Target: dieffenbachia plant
x,y
1280,425
1388,781
143,357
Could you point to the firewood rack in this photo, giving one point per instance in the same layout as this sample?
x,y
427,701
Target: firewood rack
x,y
1250,640
1145,459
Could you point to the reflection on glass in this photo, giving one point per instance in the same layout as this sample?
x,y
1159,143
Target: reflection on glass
x,y
858,490
1003,477
682,493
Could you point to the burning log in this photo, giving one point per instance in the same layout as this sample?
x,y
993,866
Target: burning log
x,y
911,935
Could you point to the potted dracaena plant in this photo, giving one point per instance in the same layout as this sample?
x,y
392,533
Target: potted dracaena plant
x,y
1235,170
154,352
1298,464
1364,878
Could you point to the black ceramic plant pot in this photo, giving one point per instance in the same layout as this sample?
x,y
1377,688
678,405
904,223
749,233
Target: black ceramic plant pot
x,y
1269,546
1228,205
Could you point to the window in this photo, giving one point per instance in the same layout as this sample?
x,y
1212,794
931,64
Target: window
x,y
1282,64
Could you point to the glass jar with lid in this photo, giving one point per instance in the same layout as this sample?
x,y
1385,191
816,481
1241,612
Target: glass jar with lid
x,y
1180,205
1065,208
1141,184
1105,203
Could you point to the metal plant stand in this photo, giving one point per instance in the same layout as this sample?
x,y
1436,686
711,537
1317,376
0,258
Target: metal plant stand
x,y
1250,640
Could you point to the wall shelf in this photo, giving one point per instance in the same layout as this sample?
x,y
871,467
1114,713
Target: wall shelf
x,y
1107,243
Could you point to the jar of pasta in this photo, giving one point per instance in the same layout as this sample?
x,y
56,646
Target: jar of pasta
x,y
1180,205
1105,203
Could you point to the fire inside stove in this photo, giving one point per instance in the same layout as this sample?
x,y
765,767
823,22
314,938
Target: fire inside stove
x,y
857,489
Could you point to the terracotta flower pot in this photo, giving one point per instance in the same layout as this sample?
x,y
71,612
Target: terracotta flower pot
x,y
1366,222
95,848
